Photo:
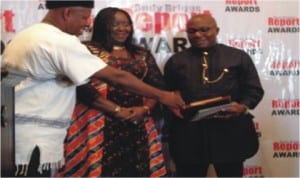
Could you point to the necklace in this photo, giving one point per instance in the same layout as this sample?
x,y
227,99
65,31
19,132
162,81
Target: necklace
x,y
205,68
118,47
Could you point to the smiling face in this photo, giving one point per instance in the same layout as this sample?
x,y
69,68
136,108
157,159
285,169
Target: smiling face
x,y
121,28
202,31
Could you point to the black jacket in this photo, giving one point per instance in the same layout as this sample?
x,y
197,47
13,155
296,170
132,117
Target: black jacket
x,y
213,140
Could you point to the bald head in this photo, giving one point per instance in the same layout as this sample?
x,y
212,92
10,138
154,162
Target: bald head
x,y
202,31
72,19
203,18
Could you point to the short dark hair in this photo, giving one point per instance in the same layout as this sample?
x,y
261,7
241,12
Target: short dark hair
x,y
51,4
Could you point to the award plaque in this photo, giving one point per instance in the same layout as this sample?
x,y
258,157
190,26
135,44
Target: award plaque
x,y
202,109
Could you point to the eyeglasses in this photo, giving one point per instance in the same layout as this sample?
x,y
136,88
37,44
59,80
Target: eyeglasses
x,y
201,30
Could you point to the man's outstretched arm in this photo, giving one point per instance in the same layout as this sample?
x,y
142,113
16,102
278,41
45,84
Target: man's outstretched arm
x,y
133,84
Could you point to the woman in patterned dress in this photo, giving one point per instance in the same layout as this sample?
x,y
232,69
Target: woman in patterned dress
x,y
113,144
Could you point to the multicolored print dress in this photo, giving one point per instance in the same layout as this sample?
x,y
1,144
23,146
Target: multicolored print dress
x,y
99,145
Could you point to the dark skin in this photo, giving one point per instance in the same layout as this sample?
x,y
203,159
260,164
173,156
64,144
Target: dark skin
x,y
202,33
73,20
119,33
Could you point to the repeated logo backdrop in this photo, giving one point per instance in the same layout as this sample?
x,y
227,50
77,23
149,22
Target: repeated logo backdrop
x,y
267,30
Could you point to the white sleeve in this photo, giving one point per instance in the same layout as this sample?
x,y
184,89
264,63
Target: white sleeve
x,y
77,63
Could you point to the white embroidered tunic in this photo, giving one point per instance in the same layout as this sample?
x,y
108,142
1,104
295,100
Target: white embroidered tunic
x,y
54,63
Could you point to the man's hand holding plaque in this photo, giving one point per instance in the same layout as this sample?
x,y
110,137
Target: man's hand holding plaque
x,y
207,108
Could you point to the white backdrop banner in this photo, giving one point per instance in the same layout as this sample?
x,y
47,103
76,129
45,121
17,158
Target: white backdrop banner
x,y
268,30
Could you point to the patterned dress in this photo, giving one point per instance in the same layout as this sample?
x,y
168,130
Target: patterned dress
x,y
101,145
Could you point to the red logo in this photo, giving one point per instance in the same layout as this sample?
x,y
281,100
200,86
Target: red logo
x,y
8,16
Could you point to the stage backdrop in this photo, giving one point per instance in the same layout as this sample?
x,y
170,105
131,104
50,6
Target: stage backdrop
x,y
268,30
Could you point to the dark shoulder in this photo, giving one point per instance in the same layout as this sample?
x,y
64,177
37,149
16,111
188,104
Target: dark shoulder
x,y
179,58
182,54
234,54
230,49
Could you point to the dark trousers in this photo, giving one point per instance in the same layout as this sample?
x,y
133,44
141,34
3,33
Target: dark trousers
x,y
31,170
233,169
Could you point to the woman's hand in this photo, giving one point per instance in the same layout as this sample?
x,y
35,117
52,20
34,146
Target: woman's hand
x,y
139,113
124,113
